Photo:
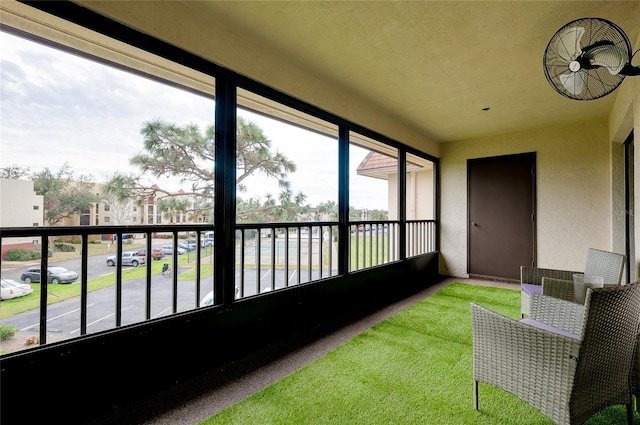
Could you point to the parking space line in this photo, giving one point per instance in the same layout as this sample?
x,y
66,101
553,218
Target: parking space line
x,y
53,318
161,313
100,319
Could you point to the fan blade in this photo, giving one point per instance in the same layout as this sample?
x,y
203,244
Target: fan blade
x,y
609,56
568,43
573,81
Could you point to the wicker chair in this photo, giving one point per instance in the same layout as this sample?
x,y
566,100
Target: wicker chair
x,y
559,283
567,360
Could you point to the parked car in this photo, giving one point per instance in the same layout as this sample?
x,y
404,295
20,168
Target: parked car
x,y
205,240
207,300
187,246
192,244
168,250
129,258
54,275
156,253
11,289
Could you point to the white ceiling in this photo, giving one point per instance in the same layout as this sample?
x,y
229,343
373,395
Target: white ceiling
x,y
433,64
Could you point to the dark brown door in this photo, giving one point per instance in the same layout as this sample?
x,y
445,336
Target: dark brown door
x,y
501,228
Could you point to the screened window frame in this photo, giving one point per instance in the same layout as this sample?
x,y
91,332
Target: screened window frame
x,y
172,67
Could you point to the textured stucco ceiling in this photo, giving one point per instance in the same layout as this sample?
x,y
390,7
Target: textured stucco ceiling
x,y
435,65
430,66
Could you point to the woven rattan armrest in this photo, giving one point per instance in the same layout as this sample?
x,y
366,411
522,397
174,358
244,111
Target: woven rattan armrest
x,y
518,357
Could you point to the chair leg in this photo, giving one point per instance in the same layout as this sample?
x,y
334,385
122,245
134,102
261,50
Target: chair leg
x,y
475,395
629,414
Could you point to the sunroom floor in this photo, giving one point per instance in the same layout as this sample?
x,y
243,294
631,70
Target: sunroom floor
x,y
195,400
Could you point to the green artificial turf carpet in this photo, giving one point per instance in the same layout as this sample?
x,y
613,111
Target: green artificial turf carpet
x,y
414,368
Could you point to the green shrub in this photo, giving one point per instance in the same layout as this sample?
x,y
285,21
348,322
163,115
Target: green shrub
x,y
68,239
22,254
64,247
7,331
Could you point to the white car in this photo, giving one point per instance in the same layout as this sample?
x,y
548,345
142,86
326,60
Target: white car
x,y
208,299
12,289
130,258
168,250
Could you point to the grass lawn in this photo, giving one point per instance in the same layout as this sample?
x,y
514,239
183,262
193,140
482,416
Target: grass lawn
x,y
414,368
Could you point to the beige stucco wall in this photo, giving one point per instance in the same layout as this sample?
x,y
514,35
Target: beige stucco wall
x,y
580,186
624,118
21,207
573,192
392,196
625,113
424,195
420,206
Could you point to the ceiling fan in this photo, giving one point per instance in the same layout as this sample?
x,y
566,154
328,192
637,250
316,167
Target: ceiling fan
x,y
588,58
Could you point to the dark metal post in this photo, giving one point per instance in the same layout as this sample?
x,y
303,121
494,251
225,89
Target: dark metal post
x,y
402,204
44,282
343,200
224,216
83,284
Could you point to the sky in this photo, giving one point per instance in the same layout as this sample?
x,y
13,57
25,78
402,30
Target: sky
x,y
57,107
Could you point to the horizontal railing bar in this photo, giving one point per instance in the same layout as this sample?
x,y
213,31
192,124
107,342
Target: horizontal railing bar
x,y
171,228
103,230
285,225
